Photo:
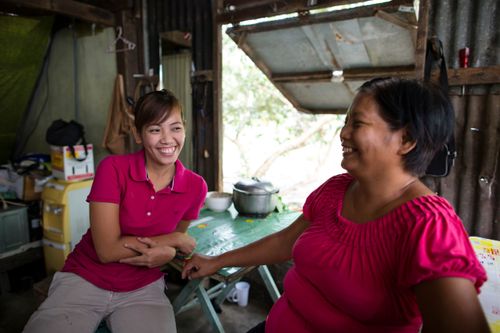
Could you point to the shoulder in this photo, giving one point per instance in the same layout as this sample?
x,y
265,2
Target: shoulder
x,y
327,196
436,243
337,183
119,161
195,179
432,208
188,180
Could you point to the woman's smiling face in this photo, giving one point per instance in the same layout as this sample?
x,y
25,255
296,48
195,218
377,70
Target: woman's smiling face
x,y
368,144
163,141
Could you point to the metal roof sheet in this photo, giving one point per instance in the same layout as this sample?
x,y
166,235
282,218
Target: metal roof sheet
x,y
300,58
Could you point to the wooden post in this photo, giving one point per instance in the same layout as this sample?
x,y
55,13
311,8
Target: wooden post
x,y
422,35
130,62
217,96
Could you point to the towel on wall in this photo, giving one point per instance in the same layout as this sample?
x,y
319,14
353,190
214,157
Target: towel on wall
x,y
118,131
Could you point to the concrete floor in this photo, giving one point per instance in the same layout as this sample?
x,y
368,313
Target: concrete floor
x,y
17,305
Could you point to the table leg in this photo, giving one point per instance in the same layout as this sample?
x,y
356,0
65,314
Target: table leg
x,y
185,294
182,302
208,308
269,282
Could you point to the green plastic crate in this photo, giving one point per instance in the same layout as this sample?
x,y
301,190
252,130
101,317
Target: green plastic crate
x,y
14,230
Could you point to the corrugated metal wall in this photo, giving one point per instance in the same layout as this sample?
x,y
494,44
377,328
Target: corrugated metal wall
x,y
194,16
472,187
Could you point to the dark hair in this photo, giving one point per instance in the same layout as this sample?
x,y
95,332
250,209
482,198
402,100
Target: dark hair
x,y
422,109
154,107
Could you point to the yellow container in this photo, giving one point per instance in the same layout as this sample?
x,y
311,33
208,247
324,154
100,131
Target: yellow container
x,y
65,211
55,255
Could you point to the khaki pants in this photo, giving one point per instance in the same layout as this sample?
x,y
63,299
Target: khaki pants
x,y
76,305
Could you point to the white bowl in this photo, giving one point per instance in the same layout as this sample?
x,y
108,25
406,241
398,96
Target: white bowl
x,y
218,201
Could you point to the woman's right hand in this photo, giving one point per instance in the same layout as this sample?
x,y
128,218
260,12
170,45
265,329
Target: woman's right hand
x,y
199,266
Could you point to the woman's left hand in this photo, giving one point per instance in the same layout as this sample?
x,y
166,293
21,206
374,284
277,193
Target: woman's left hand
x,y
151,255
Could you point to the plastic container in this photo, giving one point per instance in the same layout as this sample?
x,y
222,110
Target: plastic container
x,y
218,201
14,228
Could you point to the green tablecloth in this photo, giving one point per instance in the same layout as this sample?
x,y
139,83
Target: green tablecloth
x,y
216,233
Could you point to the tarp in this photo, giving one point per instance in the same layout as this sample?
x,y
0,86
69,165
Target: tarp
x,y
24,42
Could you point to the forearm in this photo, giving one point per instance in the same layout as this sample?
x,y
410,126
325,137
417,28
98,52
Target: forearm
x,y
174,239
265,251
272,249
119,249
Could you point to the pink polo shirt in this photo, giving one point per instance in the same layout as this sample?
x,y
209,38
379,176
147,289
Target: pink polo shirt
x,y
121,179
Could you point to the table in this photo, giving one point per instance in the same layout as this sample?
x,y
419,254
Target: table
x,y
488,253
217,233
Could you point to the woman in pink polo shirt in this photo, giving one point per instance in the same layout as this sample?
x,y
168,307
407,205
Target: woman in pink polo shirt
x,y
140,207
375,250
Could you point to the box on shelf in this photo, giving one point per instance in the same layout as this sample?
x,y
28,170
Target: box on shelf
x,y
31,190
66,167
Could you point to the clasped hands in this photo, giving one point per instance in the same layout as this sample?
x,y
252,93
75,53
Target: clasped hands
x,y
152,253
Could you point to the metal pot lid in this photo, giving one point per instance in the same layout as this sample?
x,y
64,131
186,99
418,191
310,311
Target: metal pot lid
x,y
256,186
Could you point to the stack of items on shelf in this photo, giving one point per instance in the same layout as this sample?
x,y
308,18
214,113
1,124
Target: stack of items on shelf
x,y
65,210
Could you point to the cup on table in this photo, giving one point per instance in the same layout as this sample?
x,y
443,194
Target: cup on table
x,y
239,294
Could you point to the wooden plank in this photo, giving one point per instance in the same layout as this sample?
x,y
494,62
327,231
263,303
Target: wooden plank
x,y
69,8
348,74
130,63
176,37
326,111
471,75
340,15
237,11
217,97
363,74
320,76
422,35
395,20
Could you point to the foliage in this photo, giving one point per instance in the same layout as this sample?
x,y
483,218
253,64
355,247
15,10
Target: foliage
x,y
261,127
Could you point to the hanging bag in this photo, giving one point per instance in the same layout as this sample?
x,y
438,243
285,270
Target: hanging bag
x,y
63,133
442,162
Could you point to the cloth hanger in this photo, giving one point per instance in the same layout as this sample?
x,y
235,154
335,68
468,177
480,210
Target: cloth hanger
x,y
128,45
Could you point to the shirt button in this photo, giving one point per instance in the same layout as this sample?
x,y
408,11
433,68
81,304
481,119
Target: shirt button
x,y
152,197
148,213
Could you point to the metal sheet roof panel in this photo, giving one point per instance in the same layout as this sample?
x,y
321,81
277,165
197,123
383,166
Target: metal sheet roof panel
x,y
315,49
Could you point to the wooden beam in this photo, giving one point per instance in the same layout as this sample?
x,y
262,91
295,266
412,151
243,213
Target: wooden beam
x,y
131,63
422,35
471,75
363,74
216,79
340,15
395,20
321,76
352,74
177,38
325,111
236,11
69,8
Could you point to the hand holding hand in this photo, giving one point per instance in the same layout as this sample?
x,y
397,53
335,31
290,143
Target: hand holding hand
x,y
199,266
153,255
185,244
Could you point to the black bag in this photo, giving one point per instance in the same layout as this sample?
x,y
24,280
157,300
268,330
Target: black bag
x,y
442,162
63,133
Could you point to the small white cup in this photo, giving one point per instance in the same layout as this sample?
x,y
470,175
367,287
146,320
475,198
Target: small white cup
x,y
239,294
